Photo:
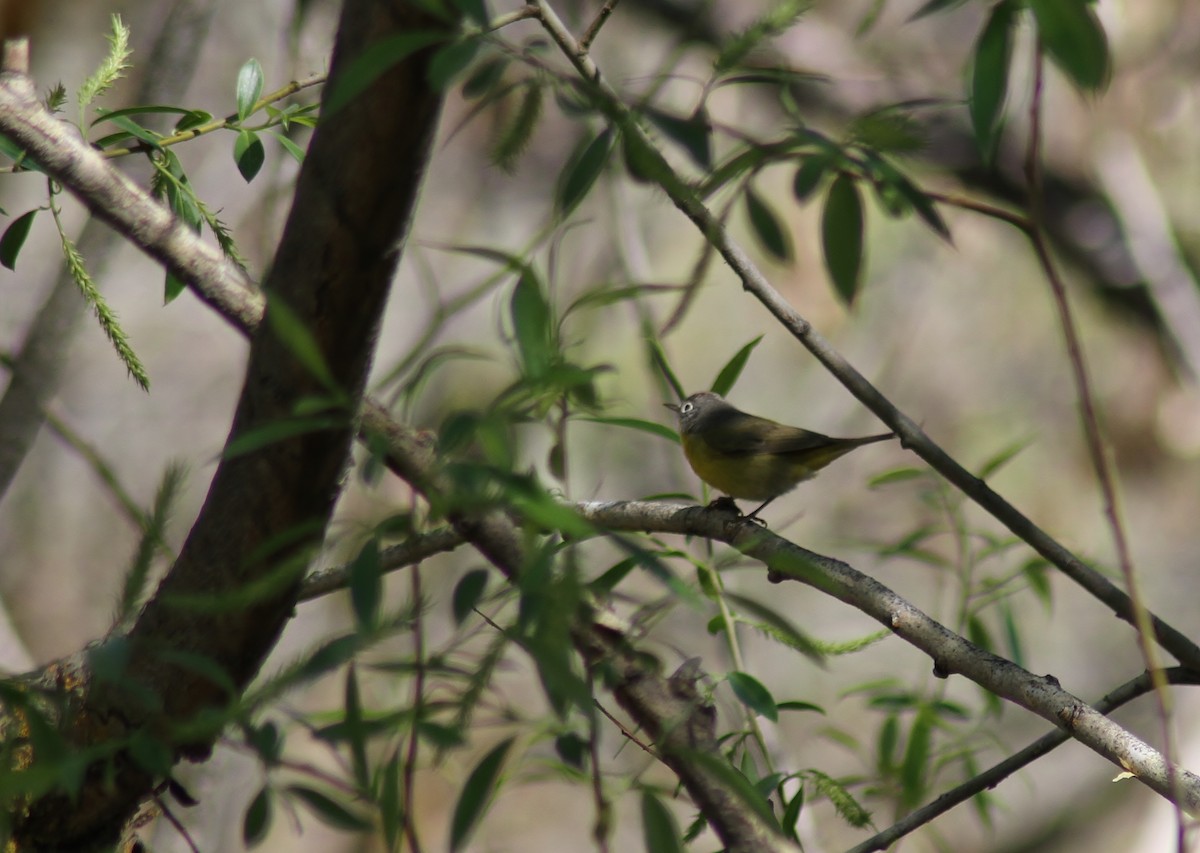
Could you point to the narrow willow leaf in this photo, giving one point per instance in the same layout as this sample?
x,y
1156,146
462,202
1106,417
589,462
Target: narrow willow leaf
x,y
450,61
14,239
372,64
931,7
467,594
771,234
693,133
989,77
914,768
809,176
477,794
531,324
295,336
582,170
257,819
659,828
842,236
249,88
328,810
1074,39
366,586
728,376
754,695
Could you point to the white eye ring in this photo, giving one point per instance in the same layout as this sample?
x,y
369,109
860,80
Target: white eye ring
x,y
687,407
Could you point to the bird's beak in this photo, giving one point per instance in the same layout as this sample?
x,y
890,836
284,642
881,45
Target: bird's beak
x,y
674,407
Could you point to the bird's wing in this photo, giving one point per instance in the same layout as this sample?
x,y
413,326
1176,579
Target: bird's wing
x,y
725,432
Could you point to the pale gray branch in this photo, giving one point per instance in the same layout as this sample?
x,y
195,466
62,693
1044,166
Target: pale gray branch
x,y
950,653
911,435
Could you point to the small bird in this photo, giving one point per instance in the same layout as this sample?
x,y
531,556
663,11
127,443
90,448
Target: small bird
x,y
749,457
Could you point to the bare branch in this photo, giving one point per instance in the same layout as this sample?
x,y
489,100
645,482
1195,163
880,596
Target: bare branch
x,y
950,653
912,436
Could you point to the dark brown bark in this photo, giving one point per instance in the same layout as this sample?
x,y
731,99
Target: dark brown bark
x,y
355,196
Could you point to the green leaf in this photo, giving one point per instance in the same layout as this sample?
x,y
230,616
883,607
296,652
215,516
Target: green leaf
x,y
355,731
249,88
934,6
634,423
14,239
372,64
290,147
738,784
484,78
1038,579
275,432
729,374
914,768
467,593
572,749
366,586
1012,634
131,128
770,232
477,795
148,109
514,137
532,324
809,176
329,811
476,11
582,170
659,359
693,134
842,236
797,705
751,692
791,813
249,154
906,194
659,829
450,61
1074,39
286,325
391,813
989,77
257,819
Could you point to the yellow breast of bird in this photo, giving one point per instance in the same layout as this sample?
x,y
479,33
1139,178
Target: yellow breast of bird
x,y
751,476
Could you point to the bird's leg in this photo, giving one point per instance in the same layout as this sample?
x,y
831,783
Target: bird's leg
x,y
754,515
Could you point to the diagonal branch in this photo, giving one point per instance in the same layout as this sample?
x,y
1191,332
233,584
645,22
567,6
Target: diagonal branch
x,y
652,162
950,653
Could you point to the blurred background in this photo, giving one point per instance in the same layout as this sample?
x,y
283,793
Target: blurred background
x,y
963,337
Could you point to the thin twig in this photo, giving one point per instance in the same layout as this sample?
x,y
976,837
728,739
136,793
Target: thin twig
x,y
410,757
994,775
593,30
1090,418
603,825
912,436
951,653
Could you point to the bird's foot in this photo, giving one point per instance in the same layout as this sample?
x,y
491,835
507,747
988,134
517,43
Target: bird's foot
x,y
728,504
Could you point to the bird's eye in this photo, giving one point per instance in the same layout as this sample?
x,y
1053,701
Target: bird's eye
x,y
686,407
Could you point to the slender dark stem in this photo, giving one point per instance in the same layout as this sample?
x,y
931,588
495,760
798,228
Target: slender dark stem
x,y
990,778
410,758
1089,415
603,826
593,30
